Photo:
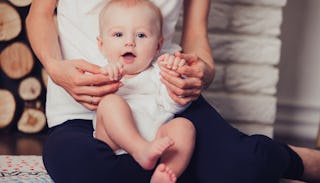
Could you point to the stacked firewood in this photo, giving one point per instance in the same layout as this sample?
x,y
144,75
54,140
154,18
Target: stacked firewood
x,y
22,78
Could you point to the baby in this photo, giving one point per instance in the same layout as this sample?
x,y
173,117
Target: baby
x,y
139,118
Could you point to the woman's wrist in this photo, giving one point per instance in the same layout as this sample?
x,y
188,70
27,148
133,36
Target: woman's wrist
x,y
209,73
50,65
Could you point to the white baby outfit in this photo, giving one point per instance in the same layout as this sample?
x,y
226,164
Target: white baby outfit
x,y
149,101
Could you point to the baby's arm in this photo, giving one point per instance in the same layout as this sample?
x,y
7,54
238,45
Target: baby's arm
x,y
114,70
170,62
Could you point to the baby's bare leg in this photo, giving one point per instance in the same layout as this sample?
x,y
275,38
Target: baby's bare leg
x,y
177,157
116,127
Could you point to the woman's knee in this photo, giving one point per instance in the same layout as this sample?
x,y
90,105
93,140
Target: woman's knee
x,y
268,158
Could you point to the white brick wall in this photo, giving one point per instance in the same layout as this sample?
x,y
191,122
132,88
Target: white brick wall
x,y
276,3
247,78
241,107
243,35
245,19
246,49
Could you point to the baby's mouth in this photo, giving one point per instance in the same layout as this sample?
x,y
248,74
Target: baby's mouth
x,y
128,57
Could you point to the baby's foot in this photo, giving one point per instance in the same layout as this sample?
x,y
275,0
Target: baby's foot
x,y
163,174
148,156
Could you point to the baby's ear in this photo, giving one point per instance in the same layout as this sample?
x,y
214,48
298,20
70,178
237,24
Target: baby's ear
x,y
160,43
100,43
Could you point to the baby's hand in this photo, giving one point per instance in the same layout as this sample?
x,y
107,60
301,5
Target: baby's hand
x,y
170,61
114,70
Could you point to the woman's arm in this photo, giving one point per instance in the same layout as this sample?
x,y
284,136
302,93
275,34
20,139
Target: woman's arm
x,y
195,34
197,53
42,30
87,89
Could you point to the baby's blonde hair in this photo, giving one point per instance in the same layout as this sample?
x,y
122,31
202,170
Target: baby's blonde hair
x,y
131,3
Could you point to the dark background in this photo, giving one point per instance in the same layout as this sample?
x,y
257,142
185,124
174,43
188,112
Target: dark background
x,y
11,132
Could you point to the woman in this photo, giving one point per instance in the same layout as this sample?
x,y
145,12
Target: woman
x,y
71,154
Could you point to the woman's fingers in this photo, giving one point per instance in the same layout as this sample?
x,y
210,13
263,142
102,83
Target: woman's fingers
x,y
196,67
181,96
90,96
185,91
85,82
170,72
182,83
91,100
185,76
182,100
85,66
193,67
98,90
92,79
189,58
89,106
195,70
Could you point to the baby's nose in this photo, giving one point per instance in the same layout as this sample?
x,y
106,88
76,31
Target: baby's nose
x,y
130,41
130,44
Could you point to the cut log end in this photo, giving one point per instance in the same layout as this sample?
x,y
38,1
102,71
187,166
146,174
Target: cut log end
x,y
7,108
30,88
10,22
31,121
16,60
21,3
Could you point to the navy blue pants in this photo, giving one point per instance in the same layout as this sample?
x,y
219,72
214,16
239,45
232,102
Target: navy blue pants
x,y
222,154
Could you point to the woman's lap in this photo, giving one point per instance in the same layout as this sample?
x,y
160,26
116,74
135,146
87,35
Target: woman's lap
x,y
71,154
222,154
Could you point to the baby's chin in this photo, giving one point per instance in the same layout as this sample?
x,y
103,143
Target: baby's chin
x,y
129,72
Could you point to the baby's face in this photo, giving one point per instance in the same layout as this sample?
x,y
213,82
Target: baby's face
x,y
130,36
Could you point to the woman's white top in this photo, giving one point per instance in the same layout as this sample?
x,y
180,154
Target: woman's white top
x,y
78,29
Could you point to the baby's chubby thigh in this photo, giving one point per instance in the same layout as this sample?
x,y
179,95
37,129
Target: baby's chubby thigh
x,y
108,113
147,116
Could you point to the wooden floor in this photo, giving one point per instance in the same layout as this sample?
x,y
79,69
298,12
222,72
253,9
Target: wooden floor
x,y
21,144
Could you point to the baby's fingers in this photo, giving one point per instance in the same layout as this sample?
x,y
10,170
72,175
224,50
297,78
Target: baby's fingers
x,y
170,61
111,73
113,70
162,59
178,63
120,71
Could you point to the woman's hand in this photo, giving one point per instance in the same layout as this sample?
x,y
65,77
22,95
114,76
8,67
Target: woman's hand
x,y
83,81
196,76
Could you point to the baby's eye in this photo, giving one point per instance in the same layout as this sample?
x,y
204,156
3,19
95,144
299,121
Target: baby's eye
x,y
141,35
117,34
